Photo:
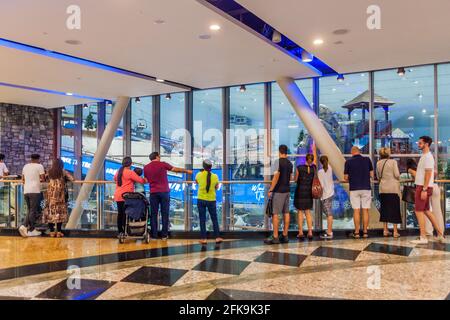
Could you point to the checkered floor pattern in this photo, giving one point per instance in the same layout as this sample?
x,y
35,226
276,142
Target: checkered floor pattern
x,y
154,277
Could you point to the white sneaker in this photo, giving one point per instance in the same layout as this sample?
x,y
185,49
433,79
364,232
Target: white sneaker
x,y
23,231
420,240
34,233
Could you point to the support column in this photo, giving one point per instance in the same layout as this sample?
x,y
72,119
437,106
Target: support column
x,y
99,158
319,133
313,124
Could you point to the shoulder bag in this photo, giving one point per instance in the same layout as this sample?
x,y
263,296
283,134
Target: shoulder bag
x,y
409,192
317,190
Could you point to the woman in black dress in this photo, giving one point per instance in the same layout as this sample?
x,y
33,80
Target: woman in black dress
x,y
303,199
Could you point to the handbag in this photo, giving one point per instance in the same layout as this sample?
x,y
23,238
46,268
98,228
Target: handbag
x,y
269,208
409,193
317,190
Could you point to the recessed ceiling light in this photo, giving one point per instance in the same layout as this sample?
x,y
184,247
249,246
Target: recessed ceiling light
x,y
73,42
204,36
214,27
341,31
69,94
159,80
159,21
318,42
306,56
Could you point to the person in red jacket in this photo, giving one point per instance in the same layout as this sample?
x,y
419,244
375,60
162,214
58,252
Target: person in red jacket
x,y
125,179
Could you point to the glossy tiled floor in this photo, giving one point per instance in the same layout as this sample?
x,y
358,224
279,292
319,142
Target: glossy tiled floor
x,y
377,268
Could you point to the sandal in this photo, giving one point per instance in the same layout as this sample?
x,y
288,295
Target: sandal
x,y
60,235
355,235
310,236
203,242
397,235
300,237
388,234
365,235
52,234
219,240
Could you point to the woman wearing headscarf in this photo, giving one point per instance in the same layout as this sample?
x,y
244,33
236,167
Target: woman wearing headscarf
x,y
208,183
125,179
55,211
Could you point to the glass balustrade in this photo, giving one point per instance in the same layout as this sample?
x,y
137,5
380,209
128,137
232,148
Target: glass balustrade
x,y
240,204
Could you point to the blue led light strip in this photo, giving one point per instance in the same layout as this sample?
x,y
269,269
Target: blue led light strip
x,y
16,86
89,63
244,17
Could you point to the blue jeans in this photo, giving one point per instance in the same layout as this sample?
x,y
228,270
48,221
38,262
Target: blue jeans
x,y
157,200
211,205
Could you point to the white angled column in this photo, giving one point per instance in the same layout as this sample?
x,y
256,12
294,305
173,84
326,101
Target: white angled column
x,y
98,161
320,135
313,124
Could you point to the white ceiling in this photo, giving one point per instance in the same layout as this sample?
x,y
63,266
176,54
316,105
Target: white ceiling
x,y
36,99
122,33
412,31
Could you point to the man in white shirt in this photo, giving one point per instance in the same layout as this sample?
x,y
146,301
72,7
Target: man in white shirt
x,y
3,169
33,174
424,190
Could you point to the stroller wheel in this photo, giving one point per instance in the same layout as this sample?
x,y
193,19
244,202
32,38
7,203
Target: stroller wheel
x,y
147,238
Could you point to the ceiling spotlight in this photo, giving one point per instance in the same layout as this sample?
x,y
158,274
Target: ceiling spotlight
x,y
168,96
318,42
276,37
214,27
137,100
340,78
401,72
242,89
85,106
69,94
109,103
159,80
306,56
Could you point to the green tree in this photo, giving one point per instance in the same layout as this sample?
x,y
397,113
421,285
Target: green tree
x,y
89,123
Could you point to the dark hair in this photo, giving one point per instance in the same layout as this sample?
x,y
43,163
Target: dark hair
x,y
324,162
57,169
207,166
310,156
283,149
126,162
138,171
35,156
153,155
2,157
427,140
411,164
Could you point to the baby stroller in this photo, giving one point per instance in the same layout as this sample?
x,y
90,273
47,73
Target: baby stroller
x,y
137,210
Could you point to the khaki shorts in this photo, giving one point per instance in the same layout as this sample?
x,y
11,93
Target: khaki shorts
x,y
280,203
361,199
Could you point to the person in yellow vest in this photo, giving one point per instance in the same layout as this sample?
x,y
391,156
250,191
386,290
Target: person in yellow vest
x,y
208,183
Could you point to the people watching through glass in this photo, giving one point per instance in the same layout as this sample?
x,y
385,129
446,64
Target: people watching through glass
x,y
303,199
208,183
357,172
388,176
279,192
125,179
325,176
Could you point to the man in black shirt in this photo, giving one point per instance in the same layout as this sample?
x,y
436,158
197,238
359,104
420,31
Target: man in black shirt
x,y
280,193
358,171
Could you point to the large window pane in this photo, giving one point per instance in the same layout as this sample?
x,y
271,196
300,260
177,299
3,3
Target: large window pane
x,y
344,110
404,108
208,141
172,141
141,130
68,125
287,128
246,158
89,136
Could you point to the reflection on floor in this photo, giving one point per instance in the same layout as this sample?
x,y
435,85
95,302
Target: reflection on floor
x,y
86,269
